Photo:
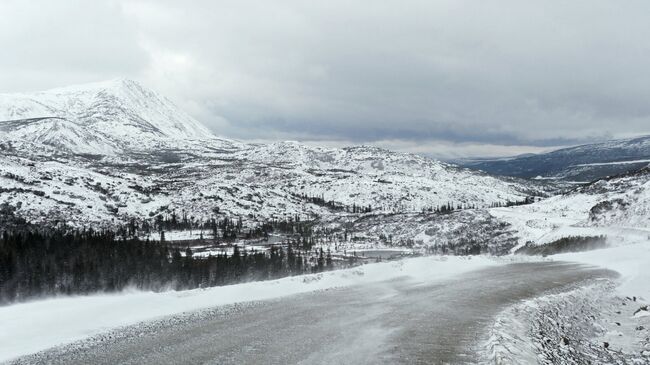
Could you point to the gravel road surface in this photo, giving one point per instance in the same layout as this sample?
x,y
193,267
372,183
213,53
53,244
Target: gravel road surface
x,y
395,322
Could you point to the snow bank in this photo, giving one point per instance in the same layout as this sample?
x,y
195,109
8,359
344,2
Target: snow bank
x,y
34,326
570,328
630,260
562,216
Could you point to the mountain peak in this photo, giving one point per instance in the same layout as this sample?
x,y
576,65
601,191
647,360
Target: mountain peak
x,y
95,86
120,110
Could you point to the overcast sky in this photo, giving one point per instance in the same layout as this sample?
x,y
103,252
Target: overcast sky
x,y
444,78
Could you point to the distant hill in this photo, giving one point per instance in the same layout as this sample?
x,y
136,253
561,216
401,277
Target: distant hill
x,y
581,163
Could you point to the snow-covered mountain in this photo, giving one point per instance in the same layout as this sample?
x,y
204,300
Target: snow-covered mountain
x,y
103,118
581,163
108,152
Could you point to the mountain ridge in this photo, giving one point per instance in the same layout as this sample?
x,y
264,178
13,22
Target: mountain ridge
x,y
582,163
122,112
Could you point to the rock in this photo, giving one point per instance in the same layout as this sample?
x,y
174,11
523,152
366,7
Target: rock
x,y
606,345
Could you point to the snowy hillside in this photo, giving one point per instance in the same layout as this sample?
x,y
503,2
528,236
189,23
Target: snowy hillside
x,y
234,180
95,118
616,331
617,207
108,152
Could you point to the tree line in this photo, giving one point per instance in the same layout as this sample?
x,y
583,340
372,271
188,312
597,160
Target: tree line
x,y
336,206
450,207
34,264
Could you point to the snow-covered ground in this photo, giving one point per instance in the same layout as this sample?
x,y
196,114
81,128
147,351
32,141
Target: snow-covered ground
x,y
589,324
34,326
266,181
604,321
618,209
632,261
593,322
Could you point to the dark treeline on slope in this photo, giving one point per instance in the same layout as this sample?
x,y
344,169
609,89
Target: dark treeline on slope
x,y
229,229
226,229
464,249
336,206
443,208
512,203
450,207
34,264
565,244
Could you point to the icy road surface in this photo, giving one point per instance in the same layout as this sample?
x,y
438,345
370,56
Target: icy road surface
x,y
396,321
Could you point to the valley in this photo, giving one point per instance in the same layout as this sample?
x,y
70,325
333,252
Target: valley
x,y
145,204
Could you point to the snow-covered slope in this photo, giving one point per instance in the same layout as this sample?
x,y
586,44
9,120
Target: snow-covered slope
x,y
616,331
95,118
111,151
62,134
618,207
218,177
382,179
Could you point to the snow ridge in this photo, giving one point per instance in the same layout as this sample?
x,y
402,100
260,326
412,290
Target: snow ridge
x,y
96,118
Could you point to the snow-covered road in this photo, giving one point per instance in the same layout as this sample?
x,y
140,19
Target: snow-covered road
x,y
398,320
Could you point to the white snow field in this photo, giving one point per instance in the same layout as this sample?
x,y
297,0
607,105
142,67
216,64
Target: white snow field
x,y
629,247
617,208
602,320
616,330
41,324
632,261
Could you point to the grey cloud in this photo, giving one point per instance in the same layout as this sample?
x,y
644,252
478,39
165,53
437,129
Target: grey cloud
x,y
512,74
55,43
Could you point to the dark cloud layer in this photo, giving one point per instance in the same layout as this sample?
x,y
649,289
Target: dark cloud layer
x,y
462,77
